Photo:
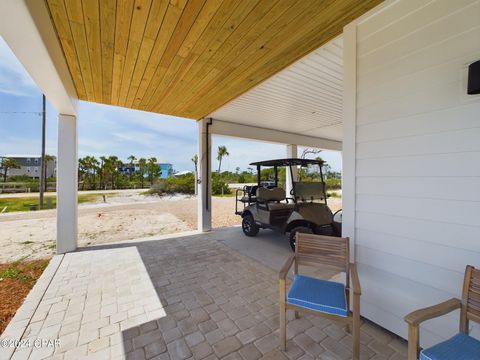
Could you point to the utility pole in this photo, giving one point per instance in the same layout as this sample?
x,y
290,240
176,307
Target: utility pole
x,y
43,164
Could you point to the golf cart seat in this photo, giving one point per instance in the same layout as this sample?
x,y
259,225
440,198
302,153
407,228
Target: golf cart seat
x,y
250,194
272,198
274,194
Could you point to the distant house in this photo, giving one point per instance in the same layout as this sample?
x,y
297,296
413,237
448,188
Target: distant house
x,y
165,168
182,173
31,165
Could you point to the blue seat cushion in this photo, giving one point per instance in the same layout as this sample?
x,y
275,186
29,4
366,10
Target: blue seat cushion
x,y
459,347
319,295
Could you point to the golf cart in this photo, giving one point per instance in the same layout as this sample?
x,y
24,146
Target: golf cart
x,y
305,209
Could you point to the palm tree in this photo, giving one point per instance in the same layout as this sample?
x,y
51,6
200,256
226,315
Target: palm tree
x,y
94,167
195,163
115,164
47,159
82,170
131,170
153,169
103,160
142,165
8,163
222,151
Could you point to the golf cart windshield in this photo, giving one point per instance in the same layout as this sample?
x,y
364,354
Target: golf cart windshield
x,y
308,185
309,191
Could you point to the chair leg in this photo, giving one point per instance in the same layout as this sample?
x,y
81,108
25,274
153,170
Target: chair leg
x,y
356,339
349,328
356,328
283,327
283,316
413,342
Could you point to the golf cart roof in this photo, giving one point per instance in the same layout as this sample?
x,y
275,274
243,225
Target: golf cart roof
x,y
287,162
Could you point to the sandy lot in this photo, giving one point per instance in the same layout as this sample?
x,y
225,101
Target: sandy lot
x,y
124,216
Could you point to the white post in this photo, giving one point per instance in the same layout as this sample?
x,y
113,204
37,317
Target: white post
x,y
349,133
291,153
67,184
204,196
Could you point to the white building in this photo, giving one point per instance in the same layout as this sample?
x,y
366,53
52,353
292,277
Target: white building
x,y
30,165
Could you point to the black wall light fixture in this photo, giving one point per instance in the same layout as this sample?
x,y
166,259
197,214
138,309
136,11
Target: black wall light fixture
x,y
474,78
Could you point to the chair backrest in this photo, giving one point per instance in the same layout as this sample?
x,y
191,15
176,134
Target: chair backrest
x,y
333,252
470,297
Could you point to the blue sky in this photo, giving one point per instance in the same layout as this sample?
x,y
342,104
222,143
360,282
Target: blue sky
x,y
109,130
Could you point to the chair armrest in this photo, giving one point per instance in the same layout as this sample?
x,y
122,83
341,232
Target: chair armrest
x,y
418,316
286,267
357,290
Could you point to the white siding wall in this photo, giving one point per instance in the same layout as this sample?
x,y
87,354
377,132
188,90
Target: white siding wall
x,y
417,219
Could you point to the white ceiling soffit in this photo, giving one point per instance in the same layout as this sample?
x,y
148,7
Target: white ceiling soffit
x,y
305,98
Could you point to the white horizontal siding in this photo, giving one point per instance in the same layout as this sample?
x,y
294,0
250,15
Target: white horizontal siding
x,y
419,62
448,258
466,237
444,188
417,159
465,116
448,211
382,287
436,165
417,34
425,100
456,141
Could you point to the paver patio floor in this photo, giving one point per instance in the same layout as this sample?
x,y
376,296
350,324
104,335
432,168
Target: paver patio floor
x,y
179,298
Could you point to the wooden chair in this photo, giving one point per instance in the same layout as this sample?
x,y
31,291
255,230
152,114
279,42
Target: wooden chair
x,y
461,346
320,297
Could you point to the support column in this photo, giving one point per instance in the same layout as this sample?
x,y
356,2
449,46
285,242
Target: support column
x,y
67,184
204,196
291,153
349,133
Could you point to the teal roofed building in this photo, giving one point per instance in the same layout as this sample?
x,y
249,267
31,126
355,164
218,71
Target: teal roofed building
x,y
166,170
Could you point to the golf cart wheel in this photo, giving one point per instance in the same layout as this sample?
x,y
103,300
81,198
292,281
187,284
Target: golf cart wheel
x,y
249,227
294,231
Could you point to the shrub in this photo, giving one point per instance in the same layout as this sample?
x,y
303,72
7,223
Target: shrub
x,y
20,178
219,187
185,184
333,184
174,185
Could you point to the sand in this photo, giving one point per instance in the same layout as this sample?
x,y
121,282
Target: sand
x,y
125,216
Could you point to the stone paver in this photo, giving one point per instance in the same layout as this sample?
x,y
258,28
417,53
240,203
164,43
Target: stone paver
x,y
189,297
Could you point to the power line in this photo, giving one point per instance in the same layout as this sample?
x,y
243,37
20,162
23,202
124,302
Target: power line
x,y
21,112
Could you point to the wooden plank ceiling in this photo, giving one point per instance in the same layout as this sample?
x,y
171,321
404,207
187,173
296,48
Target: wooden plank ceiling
x,y
189,57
